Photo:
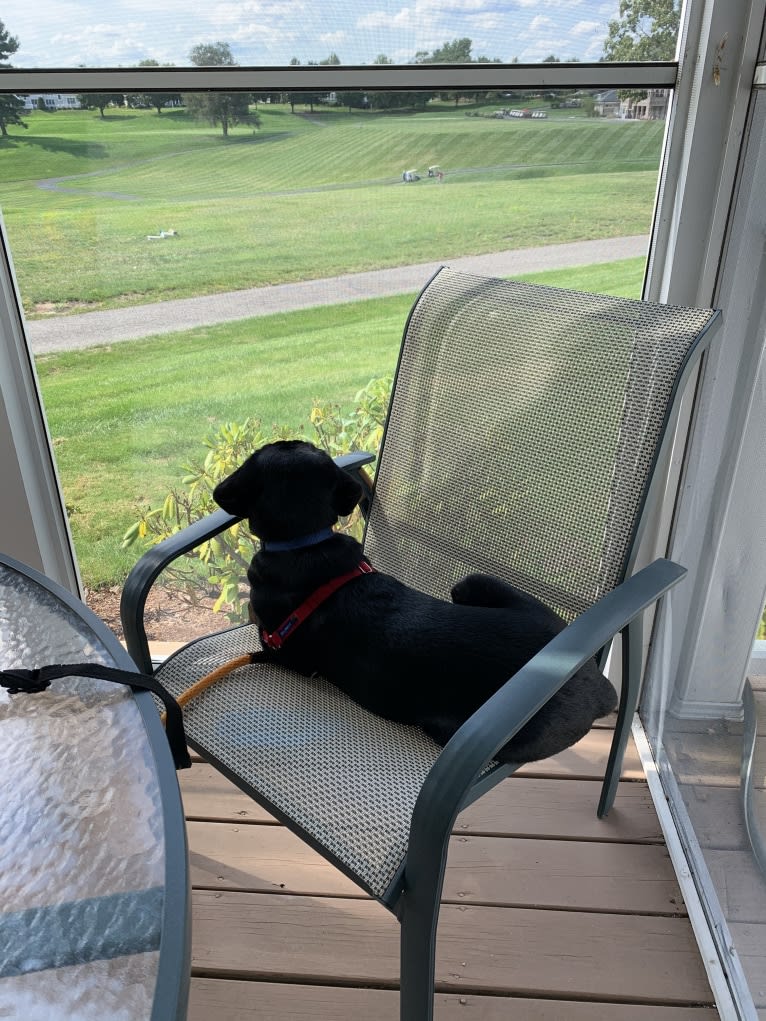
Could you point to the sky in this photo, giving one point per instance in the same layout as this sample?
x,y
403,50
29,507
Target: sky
x,y
68,33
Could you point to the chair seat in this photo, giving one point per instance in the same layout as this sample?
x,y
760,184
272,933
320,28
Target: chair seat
x,y
343,777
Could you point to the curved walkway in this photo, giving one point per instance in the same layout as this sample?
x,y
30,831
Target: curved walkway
x,y
88,329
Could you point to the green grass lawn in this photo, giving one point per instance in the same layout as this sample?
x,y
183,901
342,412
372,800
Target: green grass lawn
x,y
303,197
299,200
126,419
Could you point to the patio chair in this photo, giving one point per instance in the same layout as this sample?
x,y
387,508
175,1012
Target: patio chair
x,y
523,433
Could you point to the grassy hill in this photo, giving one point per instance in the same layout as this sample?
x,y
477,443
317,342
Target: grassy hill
x,y
300,198
303,197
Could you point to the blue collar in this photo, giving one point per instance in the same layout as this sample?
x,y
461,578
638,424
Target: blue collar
x,y
303,540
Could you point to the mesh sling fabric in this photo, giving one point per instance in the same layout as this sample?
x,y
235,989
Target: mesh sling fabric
x,y
522,430
348,779
525,441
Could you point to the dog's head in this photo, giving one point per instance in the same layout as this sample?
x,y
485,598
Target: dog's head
x,y
288,489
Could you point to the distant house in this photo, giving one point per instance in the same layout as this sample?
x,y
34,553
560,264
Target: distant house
x,y
653,108
607,104
51,101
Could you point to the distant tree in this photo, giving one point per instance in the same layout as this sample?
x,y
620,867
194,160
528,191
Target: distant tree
x,y
558,97
100,100
456,52
293,97
643,30
155,100
308,98
589,106
353,100
10,113
8,45
396,100
212,55
224,108
10,105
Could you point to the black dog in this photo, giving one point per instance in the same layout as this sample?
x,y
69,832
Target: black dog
x,y
397,652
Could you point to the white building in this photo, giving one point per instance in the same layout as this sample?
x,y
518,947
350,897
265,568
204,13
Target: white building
x,y
51,101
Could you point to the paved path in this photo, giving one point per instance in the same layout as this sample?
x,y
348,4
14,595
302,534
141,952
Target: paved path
x,y
63,333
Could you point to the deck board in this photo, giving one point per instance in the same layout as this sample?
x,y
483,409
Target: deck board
x,y
231,1000
480,949
548,913
520,872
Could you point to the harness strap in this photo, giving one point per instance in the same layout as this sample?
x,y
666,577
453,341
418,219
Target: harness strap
x,y
38,679
275,639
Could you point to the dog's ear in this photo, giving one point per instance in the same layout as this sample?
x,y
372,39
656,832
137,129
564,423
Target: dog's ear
x,y
235,493
348,493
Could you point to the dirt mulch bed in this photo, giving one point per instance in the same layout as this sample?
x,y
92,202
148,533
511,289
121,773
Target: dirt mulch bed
x,y
168,617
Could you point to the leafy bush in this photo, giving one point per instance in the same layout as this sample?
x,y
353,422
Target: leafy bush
x,y
218,566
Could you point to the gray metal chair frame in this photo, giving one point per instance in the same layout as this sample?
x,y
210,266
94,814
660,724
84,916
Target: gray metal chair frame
x,y
595,384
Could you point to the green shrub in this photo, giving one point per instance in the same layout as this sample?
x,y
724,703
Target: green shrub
x,y
217,567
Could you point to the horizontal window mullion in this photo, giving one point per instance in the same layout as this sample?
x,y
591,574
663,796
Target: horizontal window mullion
x,y
369,77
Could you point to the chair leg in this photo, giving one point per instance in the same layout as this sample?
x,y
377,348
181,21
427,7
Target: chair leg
x,y
631,682
418,957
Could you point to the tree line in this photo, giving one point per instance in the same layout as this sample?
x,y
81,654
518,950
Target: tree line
x,y
644,30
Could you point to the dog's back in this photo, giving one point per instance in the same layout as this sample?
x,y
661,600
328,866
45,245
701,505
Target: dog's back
x,y
396,651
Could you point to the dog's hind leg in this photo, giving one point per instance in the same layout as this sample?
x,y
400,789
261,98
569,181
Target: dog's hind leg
x,y
486,590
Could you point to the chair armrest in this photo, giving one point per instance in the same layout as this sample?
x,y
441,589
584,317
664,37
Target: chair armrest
x,y
145,572
352,463
505,713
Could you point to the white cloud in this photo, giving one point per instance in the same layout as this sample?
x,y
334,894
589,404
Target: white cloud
x,y
64,33
101,31
488,22
559,5
229,12
585,28
333,38
382,19
268,36
464,6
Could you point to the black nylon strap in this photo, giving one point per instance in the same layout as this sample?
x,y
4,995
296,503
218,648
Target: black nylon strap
x,y
38,679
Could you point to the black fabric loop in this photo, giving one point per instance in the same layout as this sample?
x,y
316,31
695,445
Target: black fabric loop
x,y
32,681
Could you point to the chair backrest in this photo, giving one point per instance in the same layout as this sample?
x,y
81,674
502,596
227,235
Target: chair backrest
x,y
524,426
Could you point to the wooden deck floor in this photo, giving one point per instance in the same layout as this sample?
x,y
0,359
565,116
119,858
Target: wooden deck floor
x,y
548,913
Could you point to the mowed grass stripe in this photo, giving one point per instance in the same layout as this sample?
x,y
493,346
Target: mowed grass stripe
x,y
92,255
247,211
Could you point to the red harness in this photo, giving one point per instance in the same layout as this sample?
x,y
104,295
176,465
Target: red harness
x,y
276,639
